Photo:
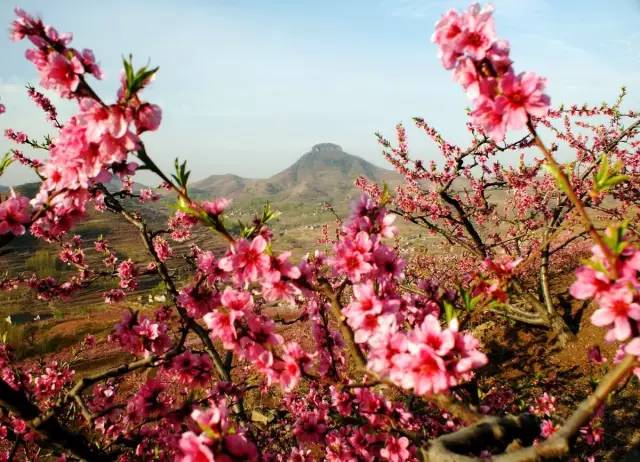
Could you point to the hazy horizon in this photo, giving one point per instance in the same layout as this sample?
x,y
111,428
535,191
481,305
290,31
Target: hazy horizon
x,y
247,87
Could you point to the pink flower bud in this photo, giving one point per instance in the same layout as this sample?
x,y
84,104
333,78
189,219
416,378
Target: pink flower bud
x,y
148,117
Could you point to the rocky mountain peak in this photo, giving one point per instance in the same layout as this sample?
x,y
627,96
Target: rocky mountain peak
x,y
323,147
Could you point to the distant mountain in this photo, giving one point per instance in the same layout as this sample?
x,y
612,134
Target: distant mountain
x,y
326,173
222,185
31,189
26,189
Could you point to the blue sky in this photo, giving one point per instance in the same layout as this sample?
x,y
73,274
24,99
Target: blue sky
x,y
248,86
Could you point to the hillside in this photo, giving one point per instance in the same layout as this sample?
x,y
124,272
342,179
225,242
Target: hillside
x,y
325,173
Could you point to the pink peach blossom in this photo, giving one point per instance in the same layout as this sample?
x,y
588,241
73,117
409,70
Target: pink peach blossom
x,y
216,206
148,117
61,73
616,309
523,95
14,214
194,448
247,260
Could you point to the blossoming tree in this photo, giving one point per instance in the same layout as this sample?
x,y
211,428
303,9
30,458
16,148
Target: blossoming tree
x,y
381,374
522,213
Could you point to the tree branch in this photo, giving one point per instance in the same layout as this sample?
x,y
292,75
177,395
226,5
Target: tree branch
x,y
53,434
456,446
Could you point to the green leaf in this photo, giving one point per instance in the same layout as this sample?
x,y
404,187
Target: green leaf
x,y
181,175
603,169
7,159
385,197
556,173
268,213
449,311
208,431
595,265
608,176
247,231
496,305
614,237
466,299
128,68
136,80
614,180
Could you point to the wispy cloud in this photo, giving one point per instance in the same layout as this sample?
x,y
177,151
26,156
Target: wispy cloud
x,y
10,88
507,9
418,9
